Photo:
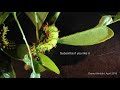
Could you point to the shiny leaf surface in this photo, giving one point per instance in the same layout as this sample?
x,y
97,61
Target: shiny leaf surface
x,y
89,37
100,33
54,17
41,17
105,20
47,62
27,60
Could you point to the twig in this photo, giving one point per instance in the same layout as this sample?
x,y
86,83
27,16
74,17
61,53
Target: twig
x,y
14,13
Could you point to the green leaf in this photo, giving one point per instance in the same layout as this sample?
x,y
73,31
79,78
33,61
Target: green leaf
x,y
10,73
6,69
42,68
27,60
54,17
35,75
89,37
100,33
21,51
41,17
105,20
3,16
117,17
37,65
48,63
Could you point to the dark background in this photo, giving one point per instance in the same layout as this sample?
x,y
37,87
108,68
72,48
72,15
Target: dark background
x,y
104,57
